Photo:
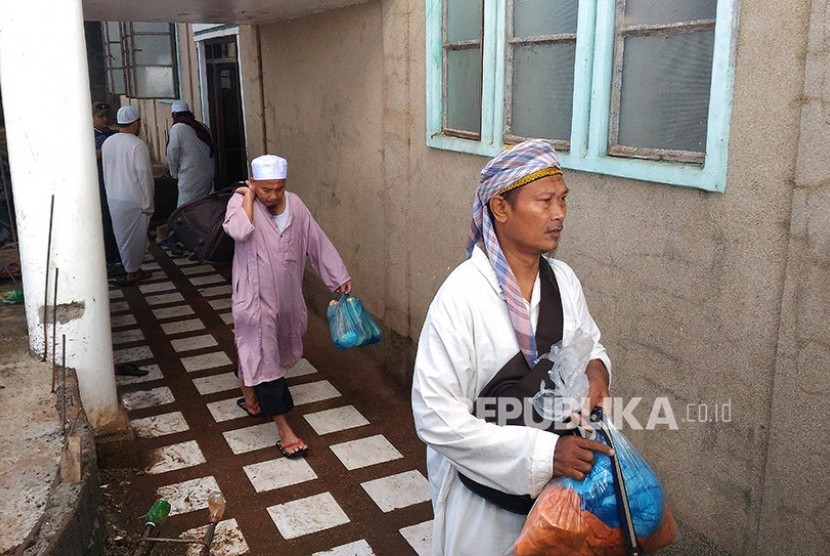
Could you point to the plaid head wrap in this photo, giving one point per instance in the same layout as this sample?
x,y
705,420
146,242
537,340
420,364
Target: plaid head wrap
x,y
512,168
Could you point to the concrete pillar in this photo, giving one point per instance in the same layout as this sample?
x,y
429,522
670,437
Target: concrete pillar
x,y
45,85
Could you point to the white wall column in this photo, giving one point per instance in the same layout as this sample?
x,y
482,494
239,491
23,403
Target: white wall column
x,y
47,106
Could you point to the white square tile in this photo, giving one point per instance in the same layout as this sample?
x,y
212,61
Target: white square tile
x,y
150,265
364,452
357,548
216,383
221,303
155,288
153,373
225,410
128,355
164,298
116,294
302,368
193,342
278,473
419,537
227,318
313,392
183,260
175,456
197,269
119,307
337,419
252,438
117,321
307,515
188,496
180,326
398,491
170,312
224,289
205,361
159,425
227,539
127,336
147,398
209,279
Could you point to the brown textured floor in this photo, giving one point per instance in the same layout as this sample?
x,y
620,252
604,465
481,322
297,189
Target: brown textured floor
x,y
391,518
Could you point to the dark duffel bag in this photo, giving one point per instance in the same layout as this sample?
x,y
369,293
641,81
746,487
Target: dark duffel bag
x,y
196,226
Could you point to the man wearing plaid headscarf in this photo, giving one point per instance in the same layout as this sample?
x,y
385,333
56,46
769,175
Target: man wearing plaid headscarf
x,y
493,317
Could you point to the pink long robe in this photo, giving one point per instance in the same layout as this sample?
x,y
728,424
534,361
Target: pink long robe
x,y
269,311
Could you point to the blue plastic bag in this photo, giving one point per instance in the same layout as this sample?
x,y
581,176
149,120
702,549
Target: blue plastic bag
x,y
350,323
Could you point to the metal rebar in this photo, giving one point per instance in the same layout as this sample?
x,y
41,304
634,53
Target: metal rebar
x,y
54,330
208,539
63,372
46,285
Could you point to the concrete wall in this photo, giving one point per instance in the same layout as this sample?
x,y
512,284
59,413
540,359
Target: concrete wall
x,y
687,286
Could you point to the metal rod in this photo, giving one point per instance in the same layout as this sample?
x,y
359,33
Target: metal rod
x,y
162,539
63,372
54,330
145,537
46,285
208,539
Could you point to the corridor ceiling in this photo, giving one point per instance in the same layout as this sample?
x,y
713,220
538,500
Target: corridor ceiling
x,y
207,11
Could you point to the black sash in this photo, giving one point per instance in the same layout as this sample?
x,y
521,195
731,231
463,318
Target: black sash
x,y
518,382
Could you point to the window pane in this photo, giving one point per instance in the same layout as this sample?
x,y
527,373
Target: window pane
x,y
464,89
117,82
543,81
664,100
464,20
532,18
668,11
152,50
154,81
151,27
113,32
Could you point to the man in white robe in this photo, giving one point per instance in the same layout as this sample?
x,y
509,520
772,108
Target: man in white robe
x,y
190,153
483,316
274,232
128,179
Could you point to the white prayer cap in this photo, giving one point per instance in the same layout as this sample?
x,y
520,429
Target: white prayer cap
x,y
127,115
269,167
179,106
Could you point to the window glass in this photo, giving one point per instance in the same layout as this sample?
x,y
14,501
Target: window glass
x,y
463,20
152,50
151,27
672,112
464,90
543,80
154,82
544,17
649,12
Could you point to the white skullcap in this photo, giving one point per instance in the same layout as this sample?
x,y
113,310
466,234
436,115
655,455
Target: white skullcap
x,y
269,167
127,115
179,106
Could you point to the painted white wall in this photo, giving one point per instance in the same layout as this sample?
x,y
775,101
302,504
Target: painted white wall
x,y
48,117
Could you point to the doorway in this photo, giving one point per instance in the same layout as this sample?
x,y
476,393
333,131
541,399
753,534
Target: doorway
x,y
225,108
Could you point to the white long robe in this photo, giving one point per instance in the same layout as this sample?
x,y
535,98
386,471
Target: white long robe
x,y
128,179
466,339
189,161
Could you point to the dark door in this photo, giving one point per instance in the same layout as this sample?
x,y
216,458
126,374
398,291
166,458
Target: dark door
x,y
225,105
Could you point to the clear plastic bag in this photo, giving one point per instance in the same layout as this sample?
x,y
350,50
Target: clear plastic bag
x,y
350,323
570,384
572,518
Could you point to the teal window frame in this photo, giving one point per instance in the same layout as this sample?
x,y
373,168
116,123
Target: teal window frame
x,y
592,96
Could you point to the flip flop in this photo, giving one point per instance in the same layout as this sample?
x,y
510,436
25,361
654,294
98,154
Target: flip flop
x,y
248,408
123,282
130,369
292,455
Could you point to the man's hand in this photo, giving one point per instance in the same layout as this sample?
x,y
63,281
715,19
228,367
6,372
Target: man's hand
x,y
244,190
345,288
574,456
598,393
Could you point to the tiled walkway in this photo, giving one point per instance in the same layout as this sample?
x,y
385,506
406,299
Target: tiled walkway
x,y
361,490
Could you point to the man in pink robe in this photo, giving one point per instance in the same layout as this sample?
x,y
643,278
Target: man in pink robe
x,y
274,232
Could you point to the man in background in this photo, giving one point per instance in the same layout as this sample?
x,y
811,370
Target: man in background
x,y
101,126
190,155
128,179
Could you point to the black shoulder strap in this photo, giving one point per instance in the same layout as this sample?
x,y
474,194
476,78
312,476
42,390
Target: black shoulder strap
x,y
517,381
